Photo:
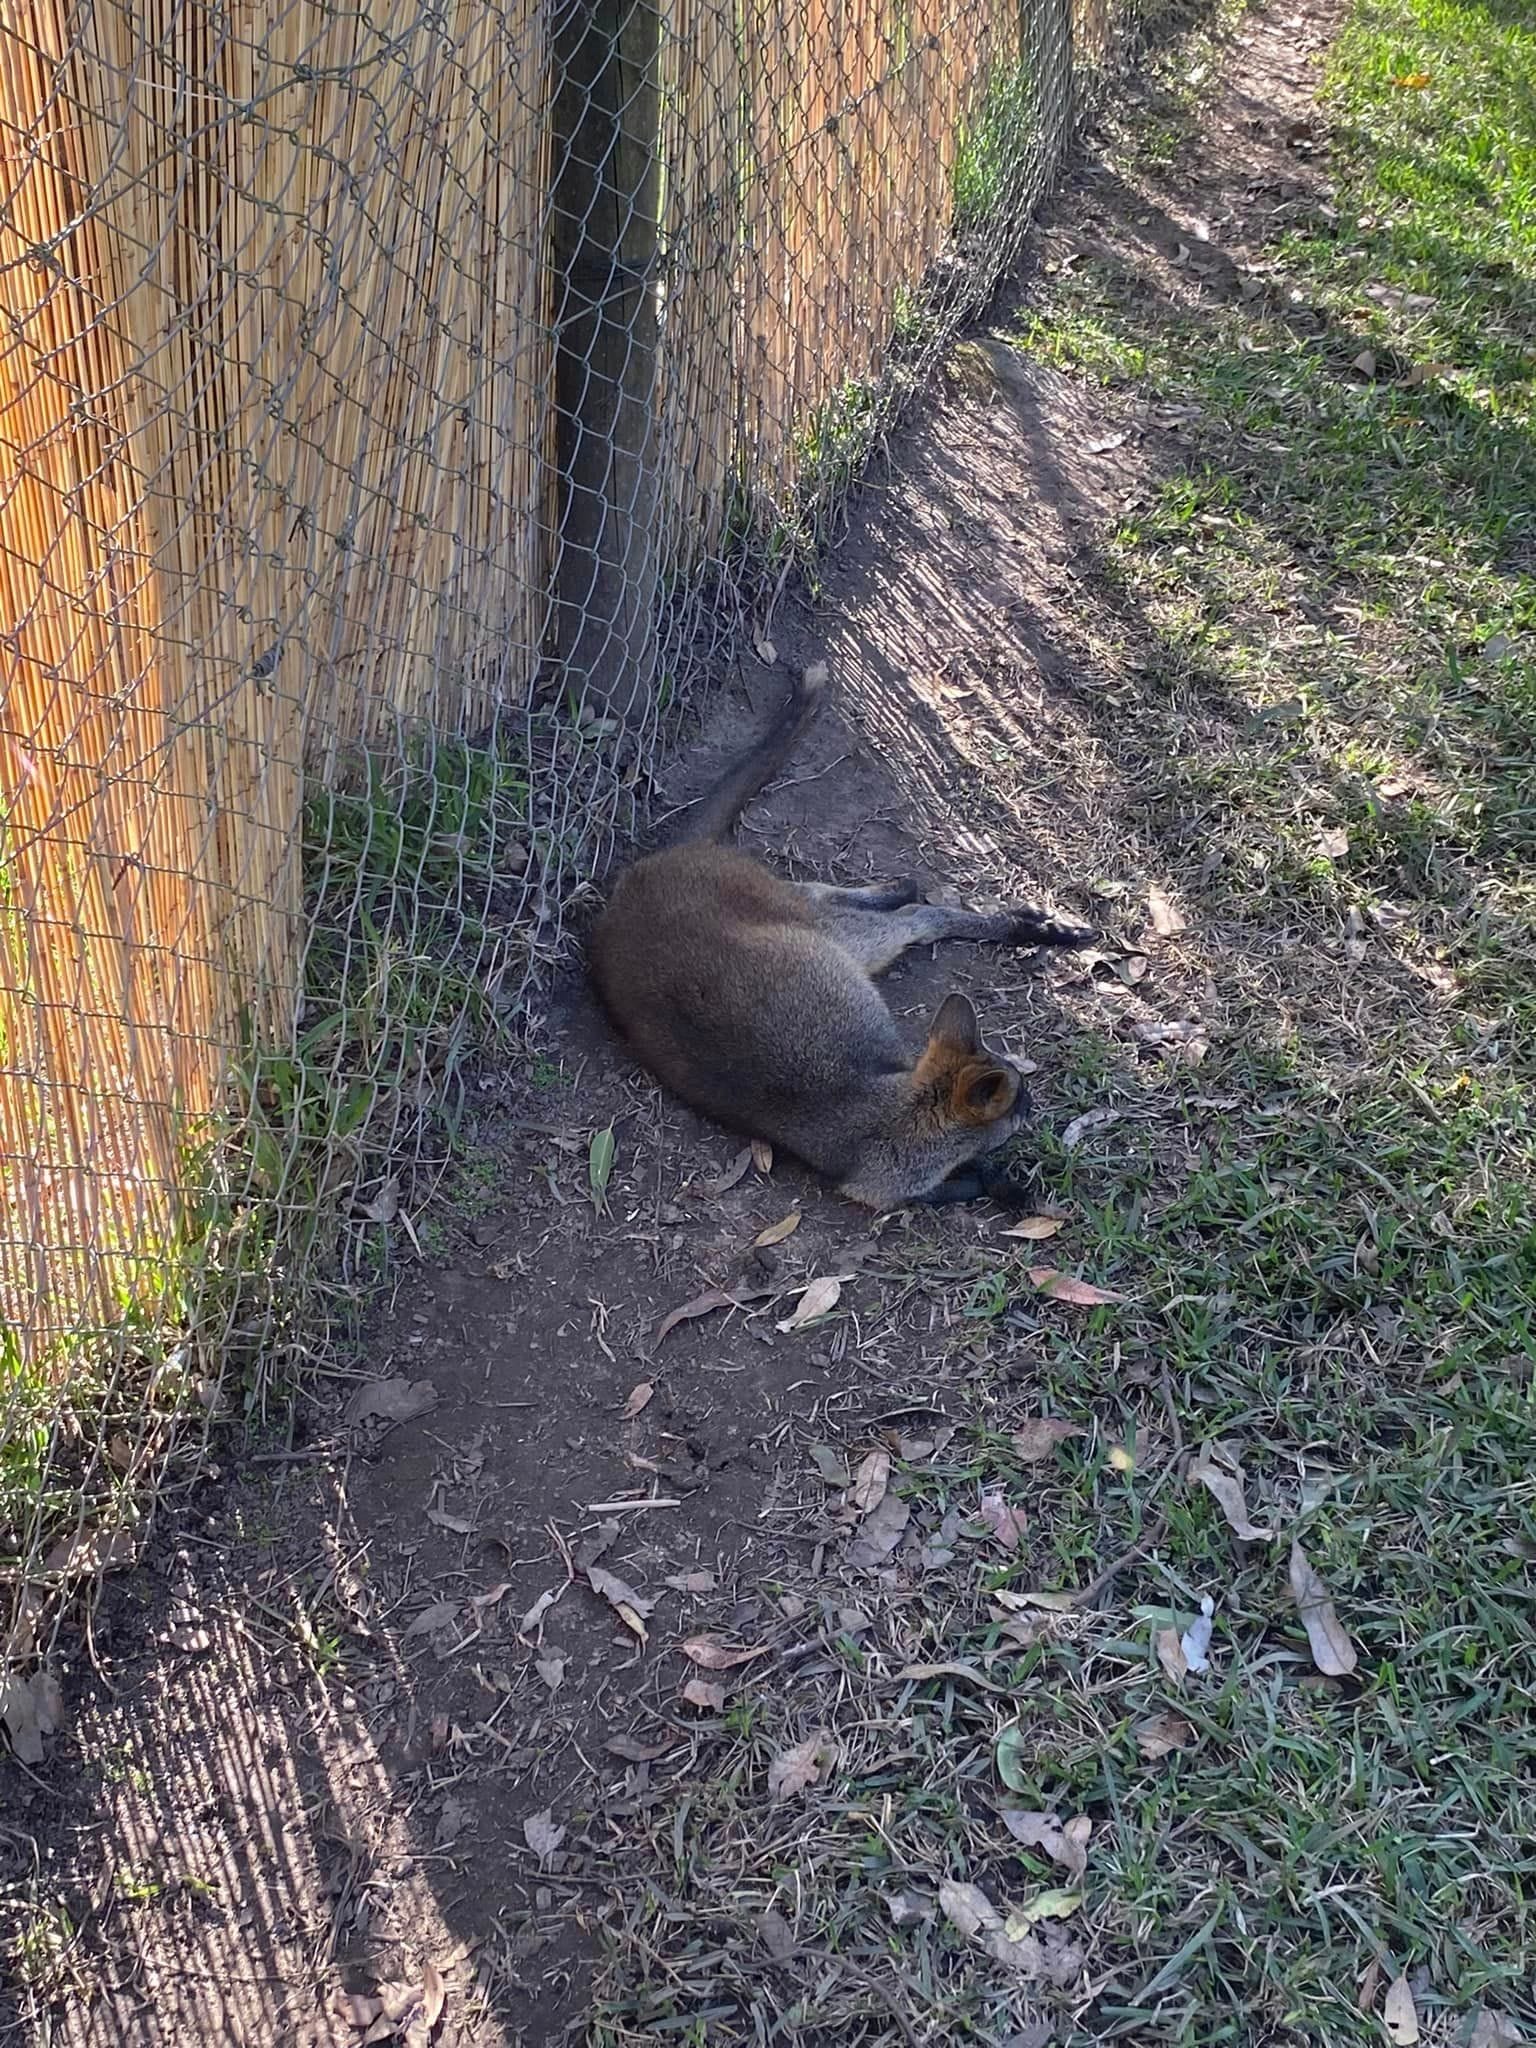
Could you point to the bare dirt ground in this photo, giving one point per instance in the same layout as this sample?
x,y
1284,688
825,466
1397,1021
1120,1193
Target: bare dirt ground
x,y
373,1748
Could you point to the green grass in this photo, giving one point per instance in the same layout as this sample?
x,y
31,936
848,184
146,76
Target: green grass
x,y
1323,617
411,869
1336,593
997,148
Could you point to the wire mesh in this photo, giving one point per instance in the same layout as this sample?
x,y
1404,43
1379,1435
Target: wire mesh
x,y
399,408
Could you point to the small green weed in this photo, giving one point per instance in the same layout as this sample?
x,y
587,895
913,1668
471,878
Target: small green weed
x,y
998,148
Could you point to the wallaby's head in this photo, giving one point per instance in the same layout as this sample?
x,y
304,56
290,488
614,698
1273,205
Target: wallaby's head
x,y
965,1099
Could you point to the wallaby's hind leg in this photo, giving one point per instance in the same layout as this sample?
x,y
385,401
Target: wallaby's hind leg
x,y
874,896
878,938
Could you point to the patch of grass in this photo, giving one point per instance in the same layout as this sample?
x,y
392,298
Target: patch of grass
x,y
1316,639
997,147
412,866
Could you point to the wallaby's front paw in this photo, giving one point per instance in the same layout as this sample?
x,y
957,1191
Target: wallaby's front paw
x,y
1005,1179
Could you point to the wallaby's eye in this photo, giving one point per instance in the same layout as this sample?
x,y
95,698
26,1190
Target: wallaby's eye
x,y
984,1094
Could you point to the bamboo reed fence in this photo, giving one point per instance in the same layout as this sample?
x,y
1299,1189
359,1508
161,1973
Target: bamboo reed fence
x,y
293,797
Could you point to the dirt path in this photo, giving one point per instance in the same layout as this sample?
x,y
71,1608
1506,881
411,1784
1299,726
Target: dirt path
x,y
369,1737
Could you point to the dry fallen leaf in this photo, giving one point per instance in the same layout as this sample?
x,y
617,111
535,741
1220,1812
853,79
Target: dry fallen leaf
x,y
1332,1651
830,1463
631,1608
724,1182
1063,1287
1021,1953
1104,444
459,1525
1226,1489
1413,81
1170,1655
385,1206
30,1709
1090,1120
1493,2030
552,1671
1163,1734
634,1751
776,1935
819,1299
777,1232
1006,1522
541,1834
881,1533
908,1909
762,1155
639,1397
712,1655
870,1482
764,648
1167,919
1036,1227
967,1907
1052,1603
794,1770
915,1673
1037,1438
701,1305
434,1996
1399,2014
699,1692
441,1614
1121,1459
536,1613
1332,844
692,1582
1067,1845
392,1400
89,1551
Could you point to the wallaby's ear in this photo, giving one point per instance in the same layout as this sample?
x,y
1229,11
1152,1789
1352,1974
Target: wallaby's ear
x,y
982,1092
954,1028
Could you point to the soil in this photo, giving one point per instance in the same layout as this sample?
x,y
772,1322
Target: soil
x,y
361,1729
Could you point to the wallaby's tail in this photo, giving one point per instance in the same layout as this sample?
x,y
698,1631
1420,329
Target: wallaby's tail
x,y
714,817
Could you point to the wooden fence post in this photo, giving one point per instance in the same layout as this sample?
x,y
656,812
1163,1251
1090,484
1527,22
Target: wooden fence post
x,y
605,235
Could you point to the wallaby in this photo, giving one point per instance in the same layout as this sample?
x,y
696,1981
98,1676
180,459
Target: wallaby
x,y
752,998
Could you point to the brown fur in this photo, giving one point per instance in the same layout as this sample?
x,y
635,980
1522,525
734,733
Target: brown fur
x,y
752,998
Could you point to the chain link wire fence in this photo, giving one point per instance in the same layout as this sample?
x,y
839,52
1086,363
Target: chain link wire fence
x,y
400,409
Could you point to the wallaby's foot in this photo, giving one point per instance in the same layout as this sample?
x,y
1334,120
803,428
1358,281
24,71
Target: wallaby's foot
x,y
878,937
1032,927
